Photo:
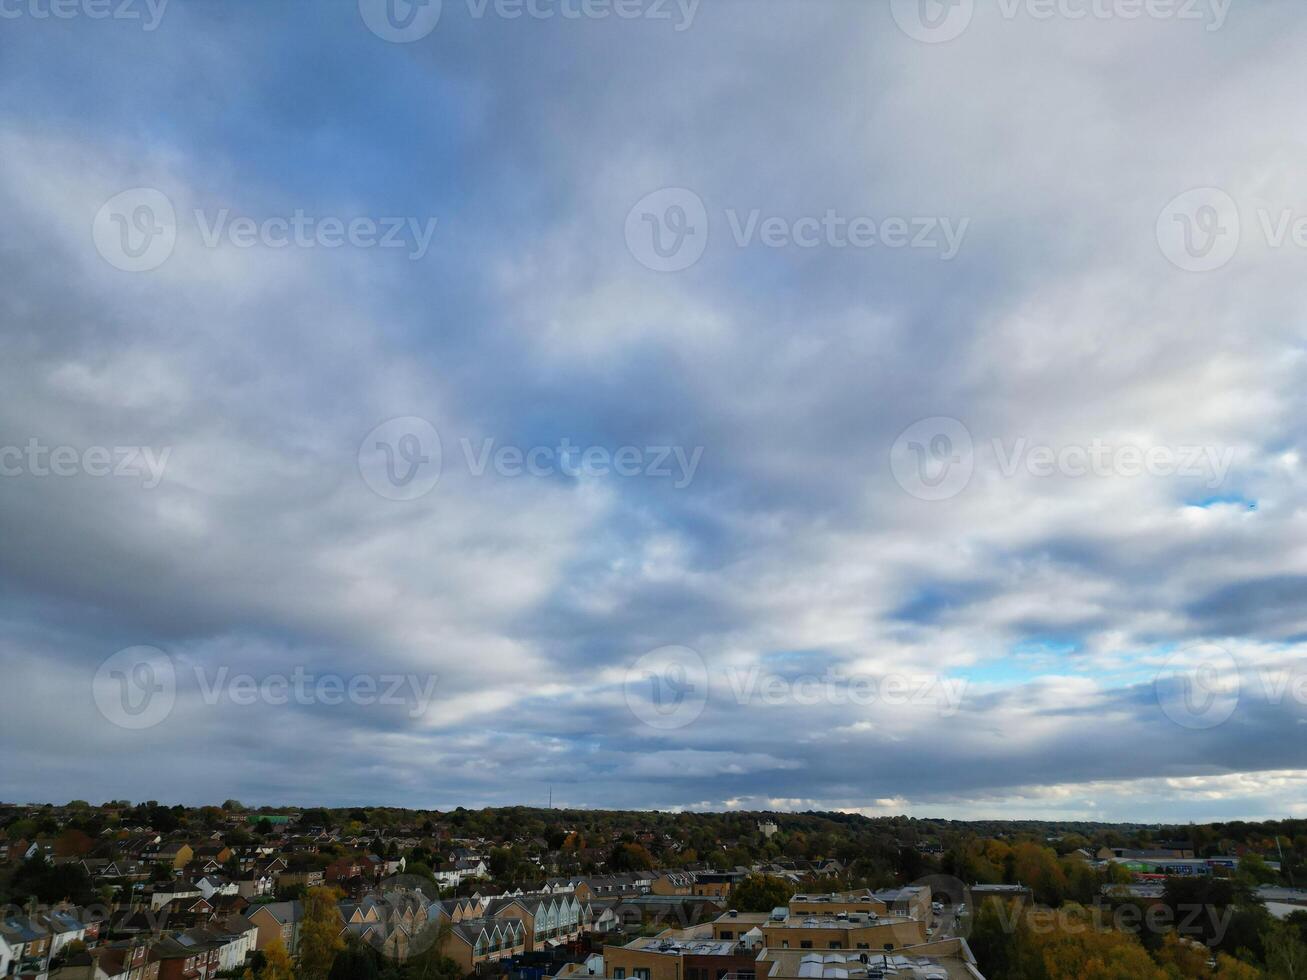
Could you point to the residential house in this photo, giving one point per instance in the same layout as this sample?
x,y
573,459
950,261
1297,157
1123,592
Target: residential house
x,y
191,960
211,885
171,890
231,945
299,879
173,854
673,883
217,852
366,866
29,943
716,884
128,960
256,884
187,912
278,920
600,916
64,926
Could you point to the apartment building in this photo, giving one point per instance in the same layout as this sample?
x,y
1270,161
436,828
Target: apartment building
x,y
550,920
716,884
840,931
472,942
949,959
911,900
855,903
688,954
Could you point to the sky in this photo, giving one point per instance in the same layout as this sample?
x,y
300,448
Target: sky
x,y
891,407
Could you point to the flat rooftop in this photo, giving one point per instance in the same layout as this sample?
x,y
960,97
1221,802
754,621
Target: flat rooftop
x,y
931,961
744,918
688,947
808,920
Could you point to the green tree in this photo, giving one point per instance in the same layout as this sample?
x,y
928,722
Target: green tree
x,y
48,884
1253,870
354,962
629,857
1286,954
761,893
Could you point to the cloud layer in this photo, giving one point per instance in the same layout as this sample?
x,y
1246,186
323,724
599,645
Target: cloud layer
x,y
1130,431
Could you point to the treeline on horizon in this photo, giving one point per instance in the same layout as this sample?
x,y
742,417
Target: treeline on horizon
x,y
824,834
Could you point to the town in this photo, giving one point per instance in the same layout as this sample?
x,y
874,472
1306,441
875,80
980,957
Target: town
x,y
150,892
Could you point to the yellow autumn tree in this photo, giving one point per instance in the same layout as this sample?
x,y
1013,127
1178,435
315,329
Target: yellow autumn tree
x,y
276,962
320,930
1185,958
1228,968
1070,945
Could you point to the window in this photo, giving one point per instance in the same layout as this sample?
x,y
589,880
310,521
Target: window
x,y
785,944
836,944
727,934
863,946
640,973
805,944
619,973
